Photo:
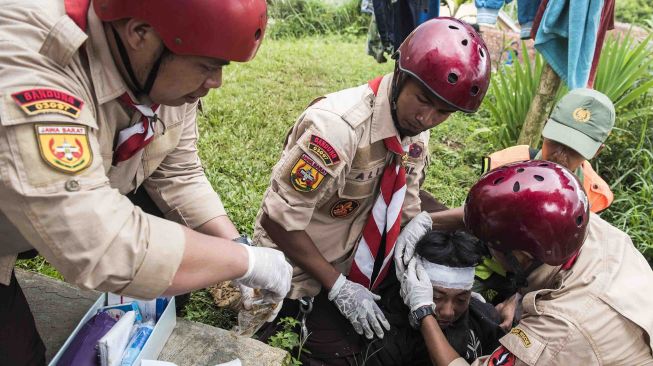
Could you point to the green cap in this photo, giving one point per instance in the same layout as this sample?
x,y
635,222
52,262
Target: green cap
x,y
582,120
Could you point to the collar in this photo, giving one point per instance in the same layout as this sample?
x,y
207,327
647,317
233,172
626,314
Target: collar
x,y
382,125
108,84
541,278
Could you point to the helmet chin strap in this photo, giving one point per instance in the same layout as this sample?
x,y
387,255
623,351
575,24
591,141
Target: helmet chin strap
x,y
151,76
518,276
397,85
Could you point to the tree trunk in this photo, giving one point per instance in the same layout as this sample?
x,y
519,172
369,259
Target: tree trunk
x,y
540,107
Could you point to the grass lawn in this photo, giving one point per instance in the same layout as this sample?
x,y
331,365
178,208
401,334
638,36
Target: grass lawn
x,y
244,124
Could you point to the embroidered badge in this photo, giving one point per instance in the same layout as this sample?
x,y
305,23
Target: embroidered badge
x,y
582,115
502,357
415,150
306,175
344,208
64,147
324,150
522,335
37,101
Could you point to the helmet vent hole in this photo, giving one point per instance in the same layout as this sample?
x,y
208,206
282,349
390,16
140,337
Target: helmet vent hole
x,y
515,187
464,42
498,180
453,27
178,40
257,35
480,51
452,78
474,90
579,221
538,178
520,170
544,164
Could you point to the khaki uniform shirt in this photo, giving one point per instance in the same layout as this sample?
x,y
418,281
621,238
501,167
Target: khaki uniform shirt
x,y
596,313
79,219
341,137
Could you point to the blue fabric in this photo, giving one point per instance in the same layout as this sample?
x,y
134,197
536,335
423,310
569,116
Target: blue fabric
x,y
488,10
568,46
526,10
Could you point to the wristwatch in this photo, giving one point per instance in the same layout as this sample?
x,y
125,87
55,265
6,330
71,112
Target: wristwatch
x,y
415,317
243,239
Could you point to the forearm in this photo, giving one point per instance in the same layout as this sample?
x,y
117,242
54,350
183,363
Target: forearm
x,y
440,351
220,227
299,247
207,260
449,220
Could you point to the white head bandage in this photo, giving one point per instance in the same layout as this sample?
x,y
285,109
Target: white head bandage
x,y
461,278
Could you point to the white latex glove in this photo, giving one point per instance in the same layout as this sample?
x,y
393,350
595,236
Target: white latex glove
x,y
358,305
416,288
246,296
267,270
409,236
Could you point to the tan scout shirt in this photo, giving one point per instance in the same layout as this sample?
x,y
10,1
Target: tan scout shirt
x,y
79,220
342,137
596,313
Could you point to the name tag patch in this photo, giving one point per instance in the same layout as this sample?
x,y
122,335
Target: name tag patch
x,y
37,101
306,175
324,150
64,147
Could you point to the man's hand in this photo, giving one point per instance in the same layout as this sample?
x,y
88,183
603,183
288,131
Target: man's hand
x,y
358,305
416,288
507,311
268,271
409,236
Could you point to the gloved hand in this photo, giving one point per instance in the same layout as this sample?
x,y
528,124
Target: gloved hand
x,y
358,305
409,236
268,271
416,288
246,296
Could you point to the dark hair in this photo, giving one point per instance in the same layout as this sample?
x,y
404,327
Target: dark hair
x,y
451,249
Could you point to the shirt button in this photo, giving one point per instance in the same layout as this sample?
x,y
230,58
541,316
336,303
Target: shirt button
x,y
72,185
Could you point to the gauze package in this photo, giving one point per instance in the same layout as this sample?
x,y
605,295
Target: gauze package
x,y
113,344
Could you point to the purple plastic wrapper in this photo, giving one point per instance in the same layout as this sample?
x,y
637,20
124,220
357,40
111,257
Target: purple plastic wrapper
x,y
82,350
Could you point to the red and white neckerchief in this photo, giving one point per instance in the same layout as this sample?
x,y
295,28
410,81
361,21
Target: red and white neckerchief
x,y
134,138
385,217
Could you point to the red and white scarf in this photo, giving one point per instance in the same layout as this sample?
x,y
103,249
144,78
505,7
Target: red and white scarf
x,y
385,218
134,138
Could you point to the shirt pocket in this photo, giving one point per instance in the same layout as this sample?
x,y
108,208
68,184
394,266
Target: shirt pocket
x,y
363,182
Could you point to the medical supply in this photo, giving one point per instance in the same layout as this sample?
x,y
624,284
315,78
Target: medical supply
x,y
112,346
136,343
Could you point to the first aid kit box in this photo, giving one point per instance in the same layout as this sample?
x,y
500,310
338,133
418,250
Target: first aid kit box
x,y
163,328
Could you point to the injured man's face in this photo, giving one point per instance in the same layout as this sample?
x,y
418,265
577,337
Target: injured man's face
x,y
450,304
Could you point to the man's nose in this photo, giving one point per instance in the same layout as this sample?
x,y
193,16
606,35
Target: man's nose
x,y
214,81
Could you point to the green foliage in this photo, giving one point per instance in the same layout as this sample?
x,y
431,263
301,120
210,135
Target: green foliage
x,y
301,18
287,339
633,11
201,308
511,91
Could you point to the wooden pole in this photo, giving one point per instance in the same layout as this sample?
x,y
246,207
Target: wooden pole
x,y
540,107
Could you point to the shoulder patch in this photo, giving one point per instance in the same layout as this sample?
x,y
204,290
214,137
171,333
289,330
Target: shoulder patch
x,y
37,101
324,150
306,175
64,147
501,357
344,208
522,336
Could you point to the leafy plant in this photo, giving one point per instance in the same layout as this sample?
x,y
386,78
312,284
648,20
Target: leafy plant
x,y
633,11
287,339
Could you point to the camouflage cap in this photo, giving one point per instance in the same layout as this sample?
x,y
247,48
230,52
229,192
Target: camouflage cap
x,y
582,120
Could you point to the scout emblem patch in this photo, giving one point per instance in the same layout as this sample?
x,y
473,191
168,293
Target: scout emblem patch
x,y
344,208
324,150
522,336
64,147
502,357
415,150
37,101
582,115
306,175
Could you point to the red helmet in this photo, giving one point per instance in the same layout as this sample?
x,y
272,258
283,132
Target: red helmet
x,y
226,29
450,59
535,206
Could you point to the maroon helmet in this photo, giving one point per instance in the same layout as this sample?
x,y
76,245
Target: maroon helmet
x,y
536,206
450,59
230,30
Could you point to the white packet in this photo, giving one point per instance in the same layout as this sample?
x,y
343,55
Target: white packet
x,y
113,344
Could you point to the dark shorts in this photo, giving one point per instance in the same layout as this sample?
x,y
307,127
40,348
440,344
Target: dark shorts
x,y
20,342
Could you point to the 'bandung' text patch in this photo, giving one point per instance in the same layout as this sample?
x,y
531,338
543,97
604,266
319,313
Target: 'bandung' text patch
x,y
36,101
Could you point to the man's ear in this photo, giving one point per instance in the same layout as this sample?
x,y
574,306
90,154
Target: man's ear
x,y
599,150
139,34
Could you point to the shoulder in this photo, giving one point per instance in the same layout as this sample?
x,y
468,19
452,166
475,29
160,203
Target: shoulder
x,y
353,106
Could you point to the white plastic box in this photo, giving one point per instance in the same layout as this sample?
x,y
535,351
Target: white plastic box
x,y
153,345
